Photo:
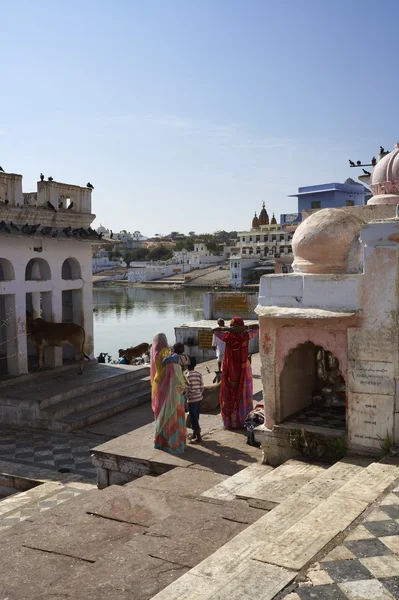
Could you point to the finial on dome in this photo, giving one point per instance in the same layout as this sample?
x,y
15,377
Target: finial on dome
x,y
273,221
263,216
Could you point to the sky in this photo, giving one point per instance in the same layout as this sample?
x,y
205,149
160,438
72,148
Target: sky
x,y
186,115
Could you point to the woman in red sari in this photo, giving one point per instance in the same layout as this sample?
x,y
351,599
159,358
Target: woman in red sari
x,y
236,388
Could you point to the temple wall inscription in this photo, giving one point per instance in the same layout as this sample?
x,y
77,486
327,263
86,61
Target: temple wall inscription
x,y
371,377
369,416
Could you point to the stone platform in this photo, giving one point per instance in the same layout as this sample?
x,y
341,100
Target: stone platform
x,y
62,400
133,455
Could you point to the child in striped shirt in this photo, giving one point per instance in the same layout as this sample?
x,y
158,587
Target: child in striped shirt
x,y
195,390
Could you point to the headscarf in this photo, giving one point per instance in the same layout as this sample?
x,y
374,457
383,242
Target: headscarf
x,y
160,376
237,322
159,343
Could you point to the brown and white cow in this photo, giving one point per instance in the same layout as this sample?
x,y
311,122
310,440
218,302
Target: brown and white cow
x,y
43,333
134,351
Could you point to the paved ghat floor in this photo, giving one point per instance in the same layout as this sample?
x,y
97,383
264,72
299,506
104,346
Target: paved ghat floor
x,y
364,562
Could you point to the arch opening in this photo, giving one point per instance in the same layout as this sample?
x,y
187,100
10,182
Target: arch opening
x,y
37,269
6,270
312,388
71,269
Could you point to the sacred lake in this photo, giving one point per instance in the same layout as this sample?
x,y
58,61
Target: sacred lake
x,y
125,317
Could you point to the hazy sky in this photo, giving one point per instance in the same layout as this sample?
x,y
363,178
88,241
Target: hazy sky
x,y
187,115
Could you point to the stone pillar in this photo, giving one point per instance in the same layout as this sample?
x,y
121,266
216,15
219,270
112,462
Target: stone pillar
x,y
11,335
21,360
208,306
87,317
267,349
36,312
52,311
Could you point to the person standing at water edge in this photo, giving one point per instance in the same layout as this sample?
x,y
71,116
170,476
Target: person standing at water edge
x,y
219,346
167,401
194,393
236,388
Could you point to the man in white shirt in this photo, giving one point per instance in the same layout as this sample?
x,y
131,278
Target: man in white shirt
x,y
219,346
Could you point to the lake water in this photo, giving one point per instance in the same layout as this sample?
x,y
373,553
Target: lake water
x,y
126,317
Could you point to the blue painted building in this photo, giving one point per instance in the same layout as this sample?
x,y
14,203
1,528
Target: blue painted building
x,y
331,195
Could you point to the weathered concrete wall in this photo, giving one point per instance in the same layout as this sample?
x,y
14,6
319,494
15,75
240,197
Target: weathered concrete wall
x,y
373,347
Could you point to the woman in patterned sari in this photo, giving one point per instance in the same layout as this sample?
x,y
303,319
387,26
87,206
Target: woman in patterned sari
x,y
167,399
236,388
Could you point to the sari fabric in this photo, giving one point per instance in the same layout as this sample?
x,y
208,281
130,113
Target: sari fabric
x,y
236,388
167,401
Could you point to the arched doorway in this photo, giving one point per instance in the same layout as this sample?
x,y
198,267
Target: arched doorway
x,y
312,388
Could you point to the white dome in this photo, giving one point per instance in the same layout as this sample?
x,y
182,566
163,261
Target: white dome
x,y
384,179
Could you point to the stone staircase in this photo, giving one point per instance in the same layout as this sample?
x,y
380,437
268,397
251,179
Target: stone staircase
x,y
61,400
77,411
309,506
191,533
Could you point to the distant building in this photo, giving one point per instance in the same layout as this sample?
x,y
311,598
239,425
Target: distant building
x,y
265,238
331,195
257,248
200,257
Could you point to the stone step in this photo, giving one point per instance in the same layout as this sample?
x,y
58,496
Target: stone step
x,y
228,489
266,556
85,402
275,484
314,480
102,411
94,377
294,548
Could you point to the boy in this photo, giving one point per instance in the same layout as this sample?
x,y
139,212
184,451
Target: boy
x,y
194,393
177,356
219,346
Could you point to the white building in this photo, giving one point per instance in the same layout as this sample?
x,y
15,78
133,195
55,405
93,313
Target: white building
x,y
101,261
264,239
150,271
45,266
199,258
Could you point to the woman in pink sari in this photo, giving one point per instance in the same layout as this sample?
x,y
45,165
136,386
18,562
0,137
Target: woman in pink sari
x,y
167,399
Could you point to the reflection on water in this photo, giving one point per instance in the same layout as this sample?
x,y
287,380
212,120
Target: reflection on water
x,y
128,316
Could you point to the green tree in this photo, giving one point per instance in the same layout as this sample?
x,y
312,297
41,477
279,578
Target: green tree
x,y
159,252
211,242
128,257
114,254
187,244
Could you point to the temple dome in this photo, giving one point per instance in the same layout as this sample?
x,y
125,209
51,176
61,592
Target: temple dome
x,y
328,242
255,222
273,221
263,216
384,181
